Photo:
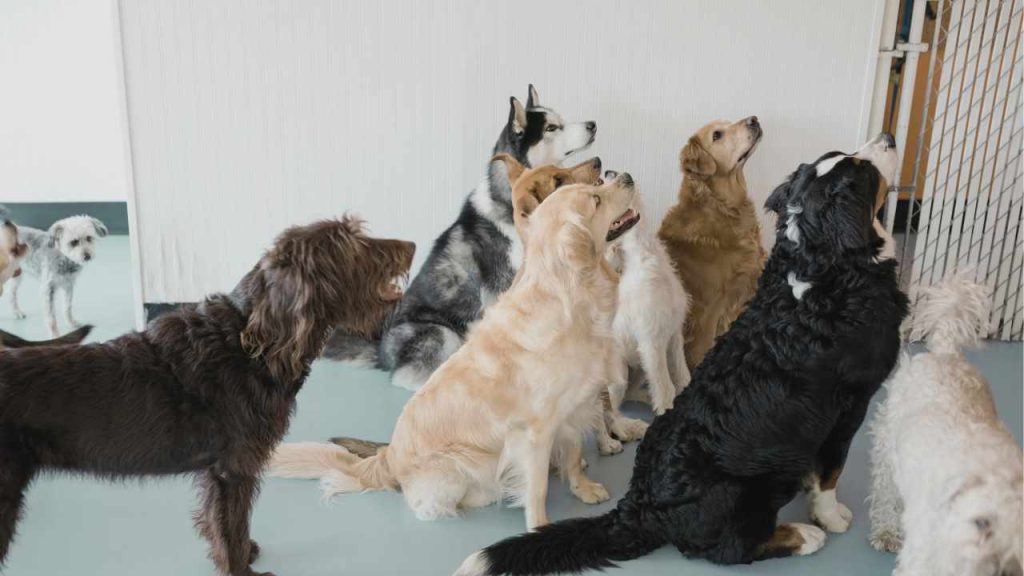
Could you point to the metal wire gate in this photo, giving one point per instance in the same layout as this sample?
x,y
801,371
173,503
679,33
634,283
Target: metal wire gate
x,y
960,208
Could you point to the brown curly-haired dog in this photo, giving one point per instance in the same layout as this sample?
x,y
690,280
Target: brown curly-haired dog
x,y
207,389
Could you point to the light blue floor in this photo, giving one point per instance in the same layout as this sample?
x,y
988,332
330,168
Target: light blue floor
x,y
84,527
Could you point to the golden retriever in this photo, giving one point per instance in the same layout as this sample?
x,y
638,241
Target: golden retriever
x,y
712,234
517,396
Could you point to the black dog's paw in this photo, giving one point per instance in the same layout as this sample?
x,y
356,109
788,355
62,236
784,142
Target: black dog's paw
x,y
254,551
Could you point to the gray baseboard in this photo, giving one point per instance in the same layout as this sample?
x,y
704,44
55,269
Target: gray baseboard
x,y
154,309
114,215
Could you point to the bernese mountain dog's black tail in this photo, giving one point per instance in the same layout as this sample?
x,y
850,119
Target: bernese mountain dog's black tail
x,y
571,546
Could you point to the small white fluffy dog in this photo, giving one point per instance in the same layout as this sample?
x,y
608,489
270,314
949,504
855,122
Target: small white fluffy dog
x,y
648,326
518,395
947,473
56,257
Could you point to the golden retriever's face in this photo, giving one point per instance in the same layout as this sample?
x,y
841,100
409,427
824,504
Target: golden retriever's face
x,y
580,219
721,147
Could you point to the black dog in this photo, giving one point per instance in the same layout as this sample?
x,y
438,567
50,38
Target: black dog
x,y
207,389
773,407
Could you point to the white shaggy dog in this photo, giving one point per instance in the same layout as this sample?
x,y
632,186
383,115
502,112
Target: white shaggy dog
x,y
947,473
648,326
56,257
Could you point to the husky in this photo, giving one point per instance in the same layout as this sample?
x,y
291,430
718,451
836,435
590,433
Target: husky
x,y
472,262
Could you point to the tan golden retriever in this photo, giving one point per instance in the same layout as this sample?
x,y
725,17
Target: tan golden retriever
x,y
517,396
712,233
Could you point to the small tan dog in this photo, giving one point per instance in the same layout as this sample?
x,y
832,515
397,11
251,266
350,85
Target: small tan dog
x,y
12,251
712,234
517,396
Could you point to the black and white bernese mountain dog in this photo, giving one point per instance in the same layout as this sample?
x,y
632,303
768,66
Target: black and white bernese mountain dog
x,y
772,409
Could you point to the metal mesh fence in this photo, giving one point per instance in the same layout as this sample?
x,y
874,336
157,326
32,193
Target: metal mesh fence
x,y
965,206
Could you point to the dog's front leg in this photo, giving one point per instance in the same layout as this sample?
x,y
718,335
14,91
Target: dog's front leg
x,y
826,510
15,283
570,455
223,519
49,298
17,466
886,503
532,453
69,294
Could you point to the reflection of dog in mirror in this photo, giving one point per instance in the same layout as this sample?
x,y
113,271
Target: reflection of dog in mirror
x,y
712,233
947,472
207,389
56,257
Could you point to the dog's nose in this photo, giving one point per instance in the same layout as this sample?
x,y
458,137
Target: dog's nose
x,y
591,126
888,139
626,180
87,257
753,123
596,163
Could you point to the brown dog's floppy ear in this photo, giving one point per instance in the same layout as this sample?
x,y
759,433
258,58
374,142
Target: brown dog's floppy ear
x,y
281,326
516,116
695,160
514,168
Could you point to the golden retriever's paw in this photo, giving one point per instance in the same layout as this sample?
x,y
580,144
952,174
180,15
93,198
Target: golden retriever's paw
x,y
886,541
608,446
629,429
590,492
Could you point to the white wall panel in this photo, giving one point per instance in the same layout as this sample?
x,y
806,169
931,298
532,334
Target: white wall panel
x,y
249,115
61,133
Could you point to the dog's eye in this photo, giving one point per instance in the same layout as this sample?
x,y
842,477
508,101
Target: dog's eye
x,y
716,135
597,200
558,181
88,238
74,242
551,128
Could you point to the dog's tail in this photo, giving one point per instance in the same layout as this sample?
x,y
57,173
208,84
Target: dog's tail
x,y
361,448
8,340
568,546
352,349
951,315
337,469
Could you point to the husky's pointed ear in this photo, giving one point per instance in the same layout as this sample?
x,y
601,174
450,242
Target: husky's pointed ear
x,y
779,197
533,100
512,166
695,160
516,116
